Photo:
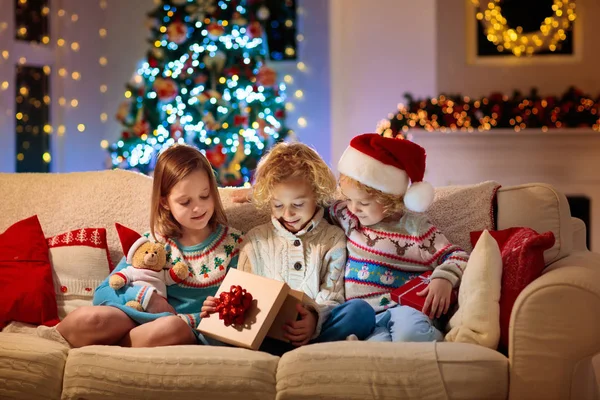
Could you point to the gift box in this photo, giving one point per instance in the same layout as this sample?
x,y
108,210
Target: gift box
x,y
249,331
288,312
406,295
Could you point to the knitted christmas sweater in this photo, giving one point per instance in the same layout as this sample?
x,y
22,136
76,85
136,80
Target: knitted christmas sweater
x,y
207,262
384,256
311,260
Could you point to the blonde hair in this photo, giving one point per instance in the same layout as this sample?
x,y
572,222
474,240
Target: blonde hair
x,y
174,164
391,203
288,161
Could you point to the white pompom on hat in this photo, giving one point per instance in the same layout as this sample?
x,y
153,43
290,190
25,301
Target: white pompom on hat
x,y
387,165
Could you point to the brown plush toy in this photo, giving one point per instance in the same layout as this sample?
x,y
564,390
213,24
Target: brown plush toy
x,y
147,261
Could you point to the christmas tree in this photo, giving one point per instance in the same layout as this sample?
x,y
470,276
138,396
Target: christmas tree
x,y
204,82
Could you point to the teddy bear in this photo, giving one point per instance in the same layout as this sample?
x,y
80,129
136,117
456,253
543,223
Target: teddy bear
x,y
147,261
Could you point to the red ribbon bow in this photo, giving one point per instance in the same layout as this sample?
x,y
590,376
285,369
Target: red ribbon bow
x,y
233,305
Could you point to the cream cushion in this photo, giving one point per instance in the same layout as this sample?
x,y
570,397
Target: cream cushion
x,y
376,370
31,368
175,372
477,320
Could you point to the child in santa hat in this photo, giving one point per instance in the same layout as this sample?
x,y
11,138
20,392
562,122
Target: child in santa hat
x,y
389,240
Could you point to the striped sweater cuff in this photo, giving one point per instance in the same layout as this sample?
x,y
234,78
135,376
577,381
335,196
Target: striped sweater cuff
x,y
189,319
144,295
119,274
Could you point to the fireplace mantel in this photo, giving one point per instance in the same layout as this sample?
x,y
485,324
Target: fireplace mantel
x,y
568,159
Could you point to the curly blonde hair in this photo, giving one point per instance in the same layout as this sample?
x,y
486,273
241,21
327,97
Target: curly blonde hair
x,y
391,203
289,161
173,165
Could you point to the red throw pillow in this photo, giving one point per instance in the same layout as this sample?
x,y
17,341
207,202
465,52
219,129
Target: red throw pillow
x,y
522,252
27,291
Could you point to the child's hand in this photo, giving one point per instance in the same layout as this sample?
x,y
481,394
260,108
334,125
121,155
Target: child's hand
x,y
208,307
299,332
438,297
158,304
241,195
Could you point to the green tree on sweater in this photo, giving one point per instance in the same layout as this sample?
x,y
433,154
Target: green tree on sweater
x,y
204,270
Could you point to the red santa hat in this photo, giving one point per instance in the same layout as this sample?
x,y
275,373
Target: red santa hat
x,y
130,241
387,165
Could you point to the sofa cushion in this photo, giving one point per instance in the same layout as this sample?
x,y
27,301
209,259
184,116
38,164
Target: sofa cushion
x,y
456,211
80,262
542,208
522,252
351,370
477,320
26,288
31,368
79,199
177,372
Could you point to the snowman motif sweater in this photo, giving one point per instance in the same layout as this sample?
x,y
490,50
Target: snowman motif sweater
x,y
382,257
208,263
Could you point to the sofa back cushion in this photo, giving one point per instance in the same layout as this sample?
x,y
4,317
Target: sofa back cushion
x,y
64,202
542,208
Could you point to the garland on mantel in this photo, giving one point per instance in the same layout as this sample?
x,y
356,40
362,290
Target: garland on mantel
x,y
573,109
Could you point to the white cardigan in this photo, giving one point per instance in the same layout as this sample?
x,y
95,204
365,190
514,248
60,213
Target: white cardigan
x,y
311,260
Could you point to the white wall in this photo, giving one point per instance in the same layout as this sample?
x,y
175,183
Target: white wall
x,y
374,63
314,81
455,76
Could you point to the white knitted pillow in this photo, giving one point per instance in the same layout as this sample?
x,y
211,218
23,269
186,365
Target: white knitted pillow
x,y
80,261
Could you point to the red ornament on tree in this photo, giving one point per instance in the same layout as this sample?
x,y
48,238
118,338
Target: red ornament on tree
x,y
216,156
266,76
141,127
166,89
280,113
215,30
240,120
255,30
177,32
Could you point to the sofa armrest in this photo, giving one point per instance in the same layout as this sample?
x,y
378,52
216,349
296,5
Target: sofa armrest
x,y
579,234
554,325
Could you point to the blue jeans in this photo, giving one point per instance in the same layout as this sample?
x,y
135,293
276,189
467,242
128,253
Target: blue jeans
x,y
404,324
353,317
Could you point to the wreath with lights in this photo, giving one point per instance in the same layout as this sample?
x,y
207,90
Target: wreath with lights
x,y
552,30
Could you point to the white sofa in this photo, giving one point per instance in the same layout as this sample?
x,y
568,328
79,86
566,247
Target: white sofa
x,y
554,332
